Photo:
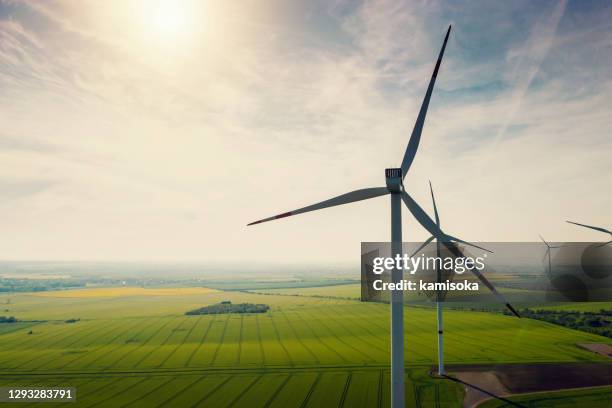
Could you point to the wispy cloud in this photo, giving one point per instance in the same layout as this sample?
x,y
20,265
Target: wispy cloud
x,y
155,149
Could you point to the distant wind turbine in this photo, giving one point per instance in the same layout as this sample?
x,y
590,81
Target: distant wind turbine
x,y
600,229
439,303
548,248
394,186
443,239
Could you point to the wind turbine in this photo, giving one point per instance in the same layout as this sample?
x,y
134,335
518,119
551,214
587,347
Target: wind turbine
x,y
450,243
600,229
395,188
439,303
548,248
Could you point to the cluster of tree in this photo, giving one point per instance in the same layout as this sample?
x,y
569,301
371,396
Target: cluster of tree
x,y
599,322
228,307
7,319
38,285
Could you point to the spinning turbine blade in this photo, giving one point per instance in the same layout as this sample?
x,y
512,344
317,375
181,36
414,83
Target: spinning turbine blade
x,y
415,137
591,227
433,199
547,244
357,195
469,244
422,217
423,246
457,252
430,226
544,241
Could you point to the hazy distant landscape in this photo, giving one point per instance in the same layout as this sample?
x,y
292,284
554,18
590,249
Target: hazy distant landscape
x,y
124,344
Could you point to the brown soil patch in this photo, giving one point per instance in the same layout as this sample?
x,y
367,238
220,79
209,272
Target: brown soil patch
x,y
509,379
599,348
485,380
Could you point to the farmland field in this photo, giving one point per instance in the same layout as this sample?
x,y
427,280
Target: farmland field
x,y
135,347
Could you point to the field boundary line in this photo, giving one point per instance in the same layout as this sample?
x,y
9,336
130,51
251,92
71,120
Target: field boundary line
x,y
299,339
261,347
244,391
154,321
345,390
152,336
240,338
220,343
51,356
140,330
202,340
341,340
211,392
148,393
280,342
182,343
314,334
86,394
277,391
360,336
185,388
117,393
163,343
379,397
311,390
121,331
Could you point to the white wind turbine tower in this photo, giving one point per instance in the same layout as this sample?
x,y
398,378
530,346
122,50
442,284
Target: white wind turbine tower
x,y
395,188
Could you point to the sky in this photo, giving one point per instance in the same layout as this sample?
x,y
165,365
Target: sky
x,y
156,130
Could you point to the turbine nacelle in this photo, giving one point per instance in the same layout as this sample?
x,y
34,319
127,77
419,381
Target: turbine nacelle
x,y
394,179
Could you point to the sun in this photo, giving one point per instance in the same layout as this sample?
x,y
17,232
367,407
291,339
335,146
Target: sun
x,y
170,21
170,18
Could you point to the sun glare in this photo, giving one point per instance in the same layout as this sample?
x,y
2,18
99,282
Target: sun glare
x,y
170,18
170,21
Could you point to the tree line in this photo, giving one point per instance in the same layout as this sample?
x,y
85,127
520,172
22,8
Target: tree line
x,y
229,307
597,322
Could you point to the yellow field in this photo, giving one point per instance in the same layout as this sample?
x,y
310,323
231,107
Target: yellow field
x,y
125,291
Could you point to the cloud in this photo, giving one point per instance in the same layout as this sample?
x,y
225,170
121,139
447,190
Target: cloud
x,y
165,152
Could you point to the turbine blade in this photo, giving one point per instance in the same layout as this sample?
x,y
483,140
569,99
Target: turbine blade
x,y
423,246
427,223
591,227
433,199
544,241
469,243
422,217
415,137
457,252
357,195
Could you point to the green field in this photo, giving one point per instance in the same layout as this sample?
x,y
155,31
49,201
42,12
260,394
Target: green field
x,y
137,348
